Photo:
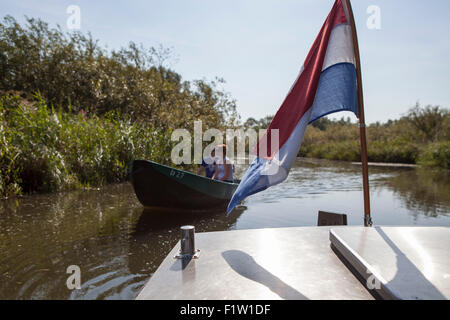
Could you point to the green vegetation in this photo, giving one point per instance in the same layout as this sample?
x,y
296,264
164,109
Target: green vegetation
x,y
72,72
46,150
74,114
422,136
436,154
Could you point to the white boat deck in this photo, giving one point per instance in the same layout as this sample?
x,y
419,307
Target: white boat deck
x,y
407,263
302,263
284,263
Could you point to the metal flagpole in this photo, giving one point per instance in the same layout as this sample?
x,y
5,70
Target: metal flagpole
x,y
362,125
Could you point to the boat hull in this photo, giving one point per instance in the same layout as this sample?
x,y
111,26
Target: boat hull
x,y
159,186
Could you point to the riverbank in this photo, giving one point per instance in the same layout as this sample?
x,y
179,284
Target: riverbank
x,y
46,150
388,164
422,137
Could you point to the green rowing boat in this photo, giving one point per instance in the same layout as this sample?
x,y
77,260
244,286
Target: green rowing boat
x,y
160,186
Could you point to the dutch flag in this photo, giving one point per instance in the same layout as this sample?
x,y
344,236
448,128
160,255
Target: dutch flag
x,y
326,84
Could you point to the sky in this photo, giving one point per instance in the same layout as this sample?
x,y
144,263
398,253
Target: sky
x,y
258,46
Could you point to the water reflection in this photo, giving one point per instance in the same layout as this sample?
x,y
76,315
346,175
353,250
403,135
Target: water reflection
x,y
399,196
40,236
106,232
424,192
118,245
157,232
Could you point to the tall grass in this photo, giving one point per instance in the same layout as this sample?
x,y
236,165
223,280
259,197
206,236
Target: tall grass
x,y
44,150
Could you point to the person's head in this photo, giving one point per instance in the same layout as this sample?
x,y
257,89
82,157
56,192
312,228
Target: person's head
x,y
221,151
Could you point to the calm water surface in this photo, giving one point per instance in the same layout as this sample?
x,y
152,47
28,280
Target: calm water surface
x,y
118,245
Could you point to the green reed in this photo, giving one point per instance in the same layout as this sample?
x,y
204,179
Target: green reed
x,y
46,150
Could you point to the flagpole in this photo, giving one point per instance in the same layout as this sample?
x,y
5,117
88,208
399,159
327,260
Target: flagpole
x,y
362,125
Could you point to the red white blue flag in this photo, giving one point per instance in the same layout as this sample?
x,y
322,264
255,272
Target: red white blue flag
x,y
326,84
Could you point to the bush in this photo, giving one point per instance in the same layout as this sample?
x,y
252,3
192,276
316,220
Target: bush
x,y
436,154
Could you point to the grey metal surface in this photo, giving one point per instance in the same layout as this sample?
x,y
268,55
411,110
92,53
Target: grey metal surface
x,y
399,262
284,263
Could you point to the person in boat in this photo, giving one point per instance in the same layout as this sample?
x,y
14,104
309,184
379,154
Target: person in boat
x,y
208,165
224,167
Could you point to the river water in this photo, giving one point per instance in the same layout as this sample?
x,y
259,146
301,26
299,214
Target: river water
x,y
117,245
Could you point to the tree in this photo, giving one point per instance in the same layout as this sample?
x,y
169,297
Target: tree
x,y
429,121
